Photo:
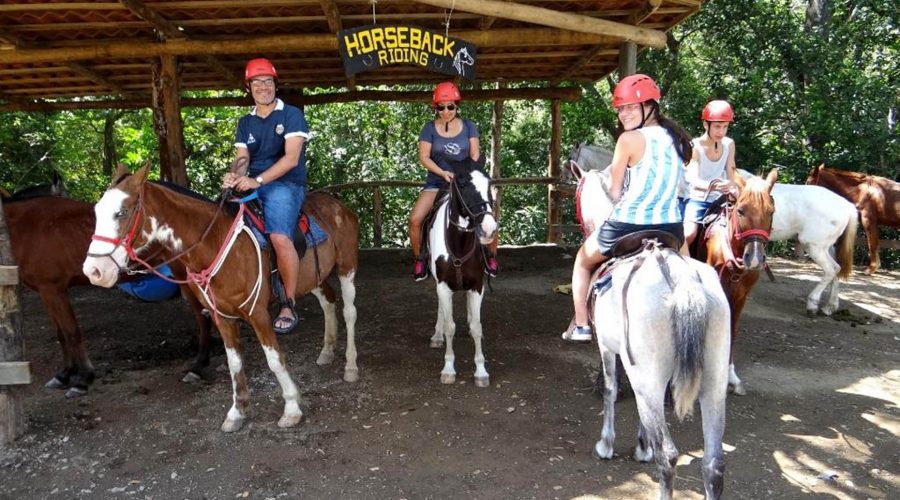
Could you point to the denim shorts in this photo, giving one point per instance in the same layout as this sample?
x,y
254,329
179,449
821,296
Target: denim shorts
x,y
695,209
612,230
281,203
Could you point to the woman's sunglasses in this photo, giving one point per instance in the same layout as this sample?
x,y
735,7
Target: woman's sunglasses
x,y
451,107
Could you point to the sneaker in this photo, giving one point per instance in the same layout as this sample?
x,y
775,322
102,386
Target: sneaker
x,y
578,334
420,270
491,267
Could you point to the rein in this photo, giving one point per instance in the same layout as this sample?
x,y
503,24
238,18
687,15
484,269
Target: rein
x,y
459,261
203,278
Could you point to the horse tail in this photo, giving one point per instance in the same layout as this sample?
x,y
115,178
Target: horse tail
x,y
690,320
846,246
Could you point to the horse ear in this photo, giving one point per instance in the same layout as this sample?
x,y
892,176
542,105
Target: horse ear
x,y
141,174
739,180
121,170
577,173
772,178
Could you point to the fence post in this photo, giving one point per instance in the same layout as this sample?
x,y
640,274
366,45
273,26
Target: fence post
x,y
13,372
376,216
554,210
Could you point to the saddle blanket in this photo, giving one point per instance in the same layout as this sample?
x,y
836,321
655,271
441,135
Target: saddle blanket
x,y
306,226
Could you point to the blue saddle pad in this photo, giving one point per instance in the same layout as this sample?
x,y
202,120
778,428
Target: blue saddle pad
x,y
314,237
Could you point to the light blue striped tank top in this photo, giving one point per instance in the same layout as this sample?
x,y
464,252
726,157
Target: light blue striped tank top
x,y
651,186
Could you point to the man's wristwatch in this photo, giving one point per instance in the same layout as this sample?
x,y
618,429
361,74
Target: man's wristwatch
x,y
259,180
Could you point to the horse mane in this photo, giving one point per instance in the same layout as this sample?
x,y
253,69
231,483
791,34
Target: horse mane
x,y
757,189
847,173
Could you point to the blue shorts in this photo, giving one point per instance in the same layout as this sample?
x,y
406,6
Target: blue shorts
x,y
281,203
612,231
695,209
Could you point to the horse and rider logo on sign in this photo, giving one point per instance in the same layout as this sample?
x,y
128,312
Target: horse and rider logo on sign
x,y
371,47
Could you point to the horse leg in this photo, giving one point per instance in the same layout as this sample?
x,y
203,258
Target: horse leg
x,y
604,447
437,340
651,408
240,395
870,224
830,268
712,409
348,294
261,323
482,379
737,305
204,337
78,372
445,312
327,298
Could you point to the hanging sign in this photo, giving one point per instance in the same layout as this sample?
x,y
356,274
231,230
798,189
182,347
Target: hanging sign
x,y
371,47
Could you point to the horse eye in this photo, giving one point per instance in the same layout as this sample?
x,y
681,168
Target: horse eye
x,y
740,212
120,214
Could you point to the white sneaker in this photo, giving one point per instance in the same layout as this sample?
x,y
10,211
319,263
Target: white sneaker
x,y
578,334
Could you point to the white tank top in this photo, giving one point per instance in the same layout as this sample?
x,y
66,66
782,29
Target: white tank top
x,y
710,170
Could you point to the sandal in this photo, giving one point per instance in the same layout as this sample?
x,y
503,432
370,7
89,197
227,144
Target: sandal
x,y
578,334
291,321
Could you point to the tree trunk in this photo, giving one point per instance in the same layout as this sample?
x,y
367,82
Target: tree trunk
x,y
12,345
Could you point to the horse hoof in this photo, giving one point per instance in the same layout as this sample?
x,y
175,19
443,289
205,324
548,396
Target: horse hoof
x,y
738,390
289,421
643,454
75,392
232,425
351,375
448,378
191,378
482,382
811,313
602,450
56,383
325,358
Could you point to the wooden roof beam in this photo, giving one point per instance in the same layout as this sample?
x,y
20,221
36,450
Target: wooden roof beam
x,y
646,10
8,37
218,67
555,19
95,77
584,61
283,43
333,15
157,21
486,22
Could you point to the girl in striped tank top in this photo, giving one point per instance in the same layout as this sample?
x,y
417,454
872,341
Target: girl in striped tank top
x,y
646,172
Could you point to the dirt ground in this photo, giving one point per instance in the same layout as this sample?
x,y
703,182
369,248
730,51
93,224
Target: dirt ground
x,y
820,420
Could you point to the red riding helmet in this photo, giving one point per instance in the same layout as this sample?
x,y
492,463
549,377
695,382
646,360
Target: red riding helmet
x,y
634,89
259,67
718,111
445,91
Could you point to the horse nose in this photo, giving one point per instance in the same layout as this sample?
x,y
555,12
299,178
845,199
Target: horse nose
x,y
755,256
93,273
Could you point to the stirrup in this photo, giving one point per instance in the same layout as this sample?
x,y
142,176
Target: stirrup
x,y
578,334
491,270
420,270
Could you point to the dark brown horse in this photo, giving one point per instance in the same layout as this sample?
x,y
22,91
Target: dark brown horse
x,y
876,198
228,272
50,236
735,245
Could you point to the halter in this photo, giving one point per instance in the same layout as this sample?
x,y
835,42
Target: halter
x,y
733,227
473,216
203,278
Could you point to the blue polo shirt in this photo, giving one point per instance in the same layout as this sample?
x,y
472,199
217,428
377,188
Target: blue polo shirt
x,y
264,139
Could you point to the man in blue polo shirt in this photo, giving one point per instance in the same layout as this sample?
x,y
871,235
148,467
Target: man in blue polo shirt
x,y
272,137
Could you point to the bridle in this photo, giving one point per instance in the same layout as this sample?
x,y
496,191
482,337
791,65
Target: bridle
x,y
733,227
474,216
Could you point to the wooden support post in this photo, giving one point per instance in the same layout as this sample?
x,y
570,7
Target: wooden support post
x,y
377,217
496,136
554,204
627,59
12,349
167,120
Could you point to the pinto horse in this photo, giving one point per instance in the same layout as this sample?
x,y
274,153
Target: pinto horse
x,y
228,272
50,236
820,220
667,317
876,198
463,221
735,245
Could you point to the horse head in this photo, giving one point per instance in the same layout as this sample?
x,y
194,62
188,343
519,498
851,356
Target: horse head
x,y
474,203
119,233
751,217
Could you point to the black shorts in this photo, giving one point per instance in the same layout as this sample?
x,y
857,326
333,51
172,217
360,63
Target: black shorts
x,y
612,230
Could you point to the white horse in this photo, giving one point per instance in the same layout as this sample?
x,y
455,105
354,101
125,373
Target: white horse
x,y
669,320
464,220
819,219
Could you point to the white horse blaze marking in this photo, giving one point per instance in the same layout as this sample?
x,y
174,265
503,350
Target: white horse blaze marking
x,y
107,225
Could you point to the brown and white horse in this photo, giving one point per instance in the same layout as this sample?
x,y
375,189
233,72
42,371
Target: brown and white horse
x,y
876,198
463,222
735,245
228,272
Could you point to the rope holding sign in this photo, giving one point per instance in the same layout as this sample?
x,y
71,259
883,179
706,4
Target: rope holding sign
x,y
447,17
373,2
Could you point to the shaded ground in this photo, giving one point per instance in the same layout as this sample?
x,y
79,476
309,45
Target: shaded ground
x,y
821,418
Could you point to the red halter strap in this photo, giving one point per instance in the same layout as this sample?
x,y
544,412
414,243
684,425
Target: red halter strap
x,y
125,242
742,235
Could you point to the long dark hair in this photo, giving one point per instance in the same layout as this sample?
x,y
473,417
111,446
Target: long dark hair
x,y
680,137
